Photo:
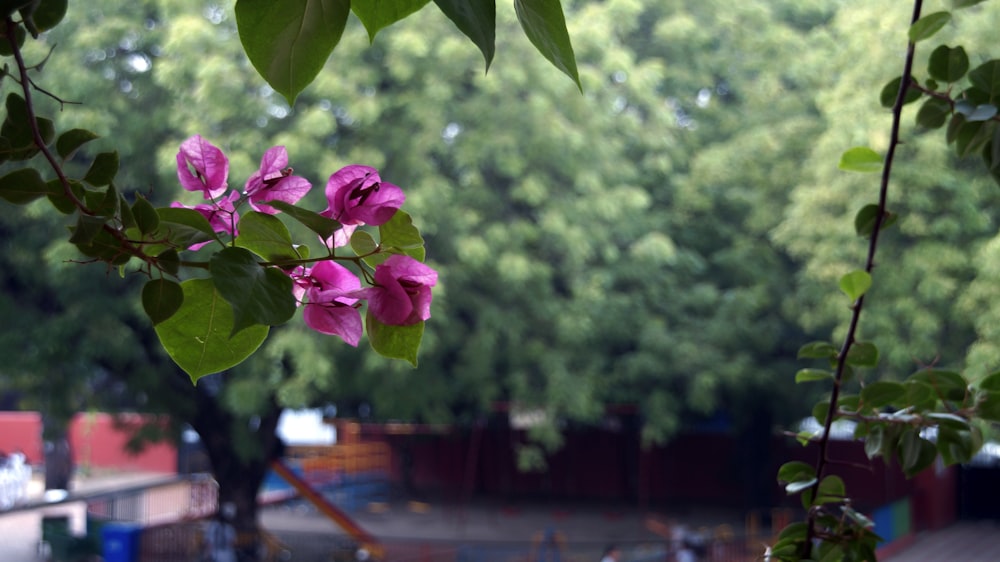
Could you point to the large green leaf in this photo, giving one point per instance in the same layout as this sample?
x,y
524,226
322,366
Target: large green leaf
x,y
396,342
477,20
266,236
23,186
545,25
197,336
258,295
377,15
288,42
103,169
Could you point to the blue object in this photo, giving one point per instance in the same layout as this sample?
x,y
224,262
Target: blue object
x,y
121,542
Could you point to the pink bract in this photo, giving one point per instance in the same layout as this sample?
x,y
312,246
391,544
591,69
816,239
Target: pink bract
x,y
330,302
357,195
402,292
274,181
202,167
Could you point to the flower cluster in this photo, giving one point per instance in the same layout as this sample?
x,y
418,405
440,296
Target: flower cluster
x,y
331,294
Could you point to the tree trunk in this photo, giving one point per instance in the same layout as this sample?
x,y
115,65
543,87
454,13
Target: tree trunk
x,y
57,452
239,470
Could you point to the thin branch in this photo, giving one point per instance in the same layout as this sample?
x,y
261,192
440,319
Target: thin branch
x,y
25,82
823,459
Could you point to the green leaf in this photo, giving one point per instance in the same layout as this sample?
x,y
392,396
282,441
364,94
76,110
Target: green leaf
x,y
887,97
986,78
161,298
949,420
197,336
947,385
23,186
990,382
965,3
981,112
820,410
796,487
928,25
68,142
544,24
915,452
934,113
918,395
145,215
863,354
811,375
818,350
947,64
86,229
103,169
288,42
855,284
169,261
831,490
257,294
879,394
363,243
874,441
988,405
315,222
182,227
477,20
399,236
17,129
796,471
864,221
396,342
376,15
46,15
860,159
956,446
266,236
972,136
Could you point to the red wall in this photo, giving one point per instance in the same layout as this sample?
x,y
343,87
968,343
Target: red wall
x,y
97,440
609,465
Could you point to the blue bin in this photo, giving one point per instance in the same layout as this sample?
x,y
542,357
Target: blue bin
x,y
121,542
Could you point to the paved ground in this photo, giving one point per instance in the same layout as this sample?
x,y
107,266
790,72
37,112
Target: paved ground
x,y
424,527
974,541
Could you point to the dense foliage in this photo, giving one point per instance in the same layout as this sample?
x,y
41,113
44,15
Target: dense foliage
x,y
668,238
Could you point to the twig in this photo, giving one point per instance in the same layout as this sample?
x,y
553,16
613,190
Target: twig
x,y
823,459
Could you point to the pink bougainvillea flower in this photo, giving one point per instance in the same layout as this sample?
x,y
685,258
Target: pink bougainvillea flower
x,y
274,182
221,214
402,292
330,303
202,167
357,195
